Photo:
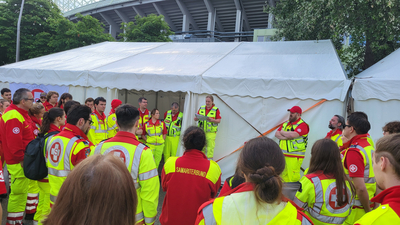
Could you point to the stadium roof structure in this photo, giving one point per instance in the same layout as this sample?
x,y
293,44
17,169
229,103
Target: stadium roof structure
x,y
230,18
298,69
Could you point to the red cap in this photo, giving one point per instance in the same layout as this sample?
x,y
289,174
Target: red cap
x,y
115,103
295,109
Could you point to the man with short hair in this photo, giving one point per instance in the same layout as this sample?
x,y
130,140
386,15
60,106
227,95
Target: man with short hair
x,y
51,100
357,163
6,94
138,160
3,106
16,132
111,119
144,117
42,98
173,122
293,136
98,131
386,166
336,125
67,148
90,103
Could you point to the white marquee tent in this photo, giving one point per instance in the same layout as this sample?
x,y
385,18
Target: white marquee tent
x,y
253,83
376,92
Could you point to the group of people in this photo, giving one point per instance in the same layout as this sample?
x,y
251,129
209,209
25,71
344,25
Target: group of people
x,y
106,167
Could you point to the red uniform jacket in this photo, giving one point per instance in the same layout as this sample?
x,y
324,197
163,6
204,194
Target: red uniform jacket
x,y
187,187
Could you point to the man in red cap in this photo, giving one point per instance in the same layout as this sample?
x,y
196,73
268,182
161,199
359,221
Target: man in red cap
x,y
293,136
112,126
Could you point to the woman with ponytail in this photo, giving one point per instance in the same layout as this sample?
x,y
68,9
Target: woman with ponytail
x,y
51,123
189,180
320,198
259,200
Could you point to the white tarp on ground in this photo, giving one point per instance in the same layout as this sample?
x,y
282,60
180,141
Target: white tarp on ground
x,y
255,83
376,92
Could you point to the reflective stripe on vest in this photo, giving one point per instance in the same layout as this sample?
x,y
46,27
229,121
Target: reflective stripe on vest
x,y
113,127
294,146
320,199
154,133
53,198
209,215
67,153
173,129
99,129
339,136
208,126
135,164
367,178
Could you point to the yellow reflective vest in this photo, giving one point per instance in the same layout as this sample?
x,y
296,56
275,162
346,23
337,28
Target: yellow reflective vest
x,y
318,198
139,161
61,149
154,133
173,127
241,207
112,127
295,147
208,127
98,130
366,150
338,139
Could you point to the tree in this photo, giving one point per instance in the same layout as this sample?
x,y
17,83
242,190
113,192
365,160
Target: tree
x,y
35,29
151,28
44,30
373,27
88,30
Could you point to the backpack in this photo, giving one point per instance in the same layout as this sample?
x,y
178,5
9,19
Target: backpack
x,y
35,167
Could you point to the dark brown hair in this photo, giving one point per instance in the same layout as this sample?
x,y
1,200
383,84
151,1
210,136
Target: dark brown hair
x,y
325,157
194,138
51,93
261,162
392,127
63,97
89,100
49,118
153,112
100,190
389,146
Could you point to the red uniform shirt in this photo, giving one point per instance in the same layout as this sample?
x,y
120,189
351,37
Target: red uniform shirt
x,y
15,135
48,106
217,114
36,123
302,129
71,131
354,160
142,114
186,192
331,133
155,124
389,196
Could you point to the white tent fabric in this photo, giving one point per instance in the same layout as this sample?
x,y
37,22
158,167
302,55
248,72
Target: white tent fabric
x,y
253,83
376,92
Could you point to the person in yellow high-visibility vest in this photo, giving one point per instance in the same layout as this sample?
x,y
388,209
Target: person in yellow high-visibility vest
x,y
144,117
154,133
98,130
173,122
112,127
259,200
386,166
320,196
293,138
357,163
139,161
210,126
336,125
67,148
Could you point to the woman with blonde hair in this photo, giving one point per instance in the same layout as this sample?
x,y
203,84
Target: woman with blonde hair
x,y
259,200
36,113
99,190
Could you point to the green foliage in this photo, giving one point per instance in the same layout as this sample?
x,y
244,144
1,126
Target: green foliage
x,y
73,35
44,30
373,25
151,28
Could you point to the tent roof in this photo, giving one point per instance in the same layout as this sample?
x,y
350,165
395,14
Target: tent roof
x,y
301,69
380,81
